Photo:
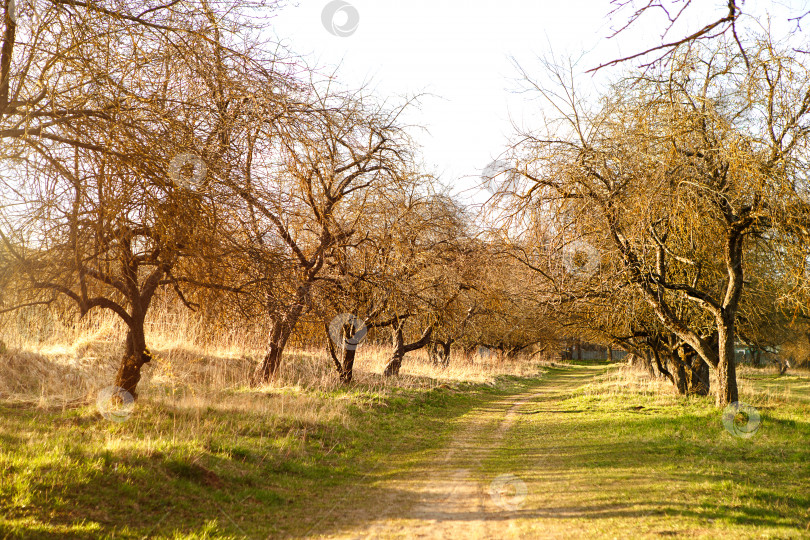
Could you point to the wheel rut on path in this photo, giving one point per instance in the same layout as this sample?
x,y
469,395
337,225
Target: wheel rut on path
x,y
448,496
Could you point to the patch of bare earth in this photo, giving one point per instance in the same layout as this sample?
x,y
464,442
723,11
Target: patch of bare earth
x,y
450,497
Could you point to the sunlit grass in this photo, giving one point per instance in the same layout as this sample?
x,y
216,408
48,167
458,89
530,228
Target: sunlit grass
x,y
624,457
191,364
203,455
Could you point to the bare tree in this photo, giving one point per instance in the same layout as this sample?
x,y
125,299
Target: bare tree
x,y
723,22
674,11
303,172
409,263
113,157
669,167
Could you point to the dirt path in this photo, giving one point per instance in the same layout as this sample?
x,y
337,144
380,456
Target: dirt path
x,y
448,497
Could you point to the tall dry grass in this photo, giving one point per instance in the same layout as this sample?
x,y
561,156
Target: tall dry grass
x,y
759,386
51,361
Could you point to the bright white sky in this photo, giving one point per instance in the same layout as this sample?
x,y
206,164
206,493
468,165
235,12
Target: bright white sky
x,y
461,53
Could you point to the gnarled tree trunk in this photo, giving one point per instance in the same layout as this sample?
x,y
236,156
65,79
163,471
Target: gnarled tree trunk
x,y
400,348
440,352
678,373
398,353
698,383
347,367
281,328
726,365
135,356
351,334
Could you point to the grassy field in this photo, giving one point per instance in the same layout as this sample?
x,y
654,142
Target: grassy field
x,y
238,468
202,455
603,451
623,458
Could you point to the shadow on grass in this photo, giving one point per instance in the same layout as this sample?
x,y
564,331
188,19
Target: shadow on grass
x,y
255,476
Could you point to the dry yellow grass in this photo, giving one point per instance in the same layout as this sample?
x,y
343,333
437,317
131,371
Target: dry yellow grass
x,y
760,386
51,364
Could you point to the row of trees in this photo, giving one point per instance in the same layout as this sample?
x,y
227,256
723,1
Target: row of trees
x,y
164,149
689,181
154,149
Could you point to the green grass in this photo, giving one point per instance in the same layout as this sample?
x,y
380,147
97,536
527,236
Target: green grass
x,y
212,472
615,461
606,459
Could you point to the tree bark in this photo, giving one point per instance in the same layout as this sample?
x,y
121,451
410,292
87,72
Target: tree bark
x,y
726,366
347,368
344,366
446,352
400,348
440,352
678,370
434,353
699,379
136,355
659,368
398,344
281,328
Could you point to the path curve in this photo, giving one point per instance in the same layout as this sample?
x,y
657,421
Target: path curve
x,y
449,497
